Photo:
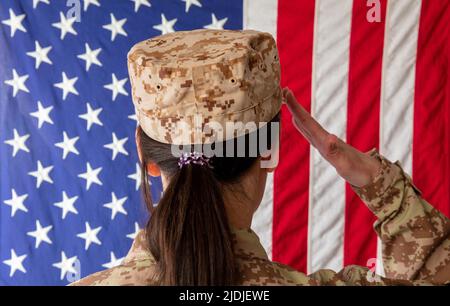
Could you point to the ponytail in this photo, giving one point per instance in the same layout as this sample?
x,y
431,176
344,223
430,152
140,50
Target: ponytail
x,y
188,232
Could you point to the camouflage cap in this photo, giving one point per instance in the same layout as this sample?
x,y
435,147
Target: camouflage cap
x,y
185,80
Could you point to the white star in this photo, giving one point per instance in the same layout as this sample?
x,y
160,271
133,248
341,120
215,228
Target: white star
x,y
165,26
15,263
91,116
65,25
138,3
66,265
114,262
216,24
40,55
117,87
136,176
91,176
18,143
18,83
91,57
15,22
16,202
90,236
67,85
68,145
190,2
42,174
117,146
133,117
40,234
42,114
116,27
132,236
36,2
116,205
67,205
89,2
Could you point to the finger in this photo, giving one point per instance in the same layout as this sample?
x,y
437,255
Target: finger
x,y
305,133
298,127
332,146
303,119
284,94
335,152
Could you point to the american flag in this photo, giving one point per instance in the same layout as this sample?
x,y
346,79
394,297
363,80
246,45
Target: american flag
x,y
70,202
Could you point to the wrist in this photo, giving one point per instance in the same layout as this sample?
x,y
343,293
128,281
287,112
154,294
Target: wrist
x,y
375,166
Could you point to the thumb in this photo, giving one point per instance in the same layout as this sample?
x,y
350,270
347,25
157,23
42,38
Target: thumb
x,y
332,150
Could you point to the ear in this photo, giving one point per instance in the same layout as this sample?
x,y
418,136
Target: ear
x,y
152,168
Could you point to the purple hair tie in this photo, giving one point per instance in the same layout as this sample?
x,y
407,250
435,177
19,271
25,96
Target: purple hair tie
x,y
196,158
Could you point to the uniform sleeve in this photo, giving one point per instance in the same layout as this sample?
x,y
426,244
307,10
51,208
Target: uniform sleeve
x,y
348,276
415,236
359,276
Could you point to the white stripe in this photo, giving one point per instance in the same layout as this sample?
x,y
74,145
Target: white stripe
x,y
397,91
261,15
379,268
263,218
399,68
329,106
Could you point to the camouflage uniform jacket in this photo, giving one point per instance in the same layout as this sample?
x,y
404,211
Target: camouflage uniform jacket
x,y
415,238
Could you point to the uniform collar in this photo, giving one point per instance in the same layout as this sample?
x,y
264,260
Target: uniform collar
x,y
139,249
246,245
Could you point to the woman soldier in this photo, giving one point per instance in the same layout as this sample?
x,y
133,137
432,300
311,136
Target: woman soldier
x,y
199,233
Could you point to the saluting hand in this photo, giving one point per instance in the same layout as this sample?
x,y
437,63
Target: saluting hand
x,y
357,168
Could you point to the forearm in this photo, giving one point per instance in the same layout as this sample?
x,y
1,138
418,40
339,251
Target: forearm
x,y
415,236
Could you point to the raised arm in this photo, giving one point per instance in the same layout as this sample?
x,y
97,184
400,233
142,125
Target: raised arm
x,y
415,236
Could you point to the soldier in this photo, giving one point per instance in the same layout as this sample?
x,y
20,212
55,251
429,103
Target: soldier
x,y
199,233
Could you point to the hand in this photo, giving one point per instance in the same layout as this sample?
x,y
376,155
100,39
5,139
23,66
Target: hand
x,y
357,168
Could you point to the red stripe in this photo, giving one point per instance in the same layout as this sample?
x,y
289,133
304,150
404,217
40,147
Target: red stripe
x,y
364,90
431,156
447,120
291,183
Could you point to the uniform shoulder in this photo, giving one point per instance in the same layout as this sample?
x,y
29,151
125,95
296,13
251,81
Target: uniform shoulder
x,y
262,271
132,273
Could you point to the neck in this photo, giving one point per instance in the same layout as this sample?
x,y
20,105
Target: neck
x,y
239,211
238,205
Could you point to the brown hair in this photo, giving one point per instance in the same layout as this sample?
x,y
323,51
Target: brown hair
x,y
188,231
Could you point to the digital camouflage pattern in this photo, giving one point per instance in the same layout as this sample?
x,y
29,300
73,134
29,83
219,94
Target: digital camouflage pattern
x,y
186,81
415,237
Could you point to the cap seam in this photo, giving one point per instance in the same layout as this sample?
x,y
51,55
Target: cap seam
x,y
264,100
189,67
